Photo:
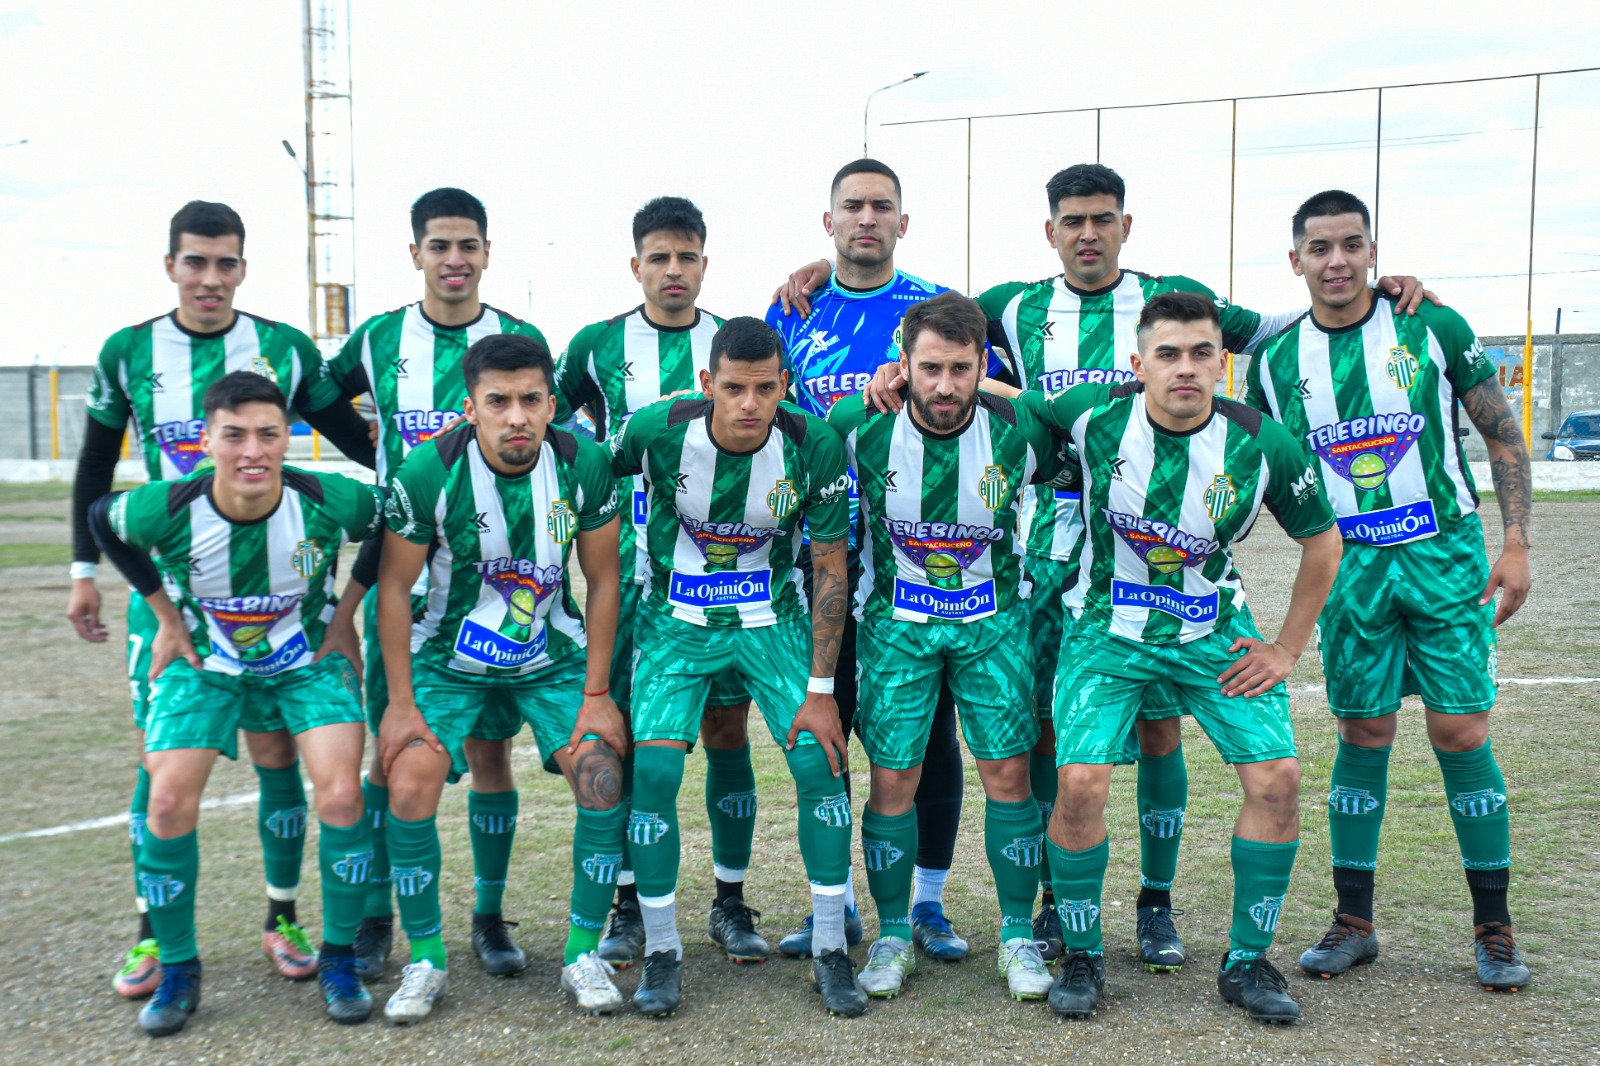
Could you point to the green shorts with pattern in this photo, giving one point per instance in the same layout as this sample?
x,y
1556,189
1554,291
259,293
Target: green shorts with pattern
x,y
192,708
677,664
727,688
142,626
499,720
1102,683
1049,626
899,666
451,703
1405,621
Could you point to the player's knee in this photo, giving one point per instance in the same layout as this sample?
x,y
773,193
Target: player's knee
x,y
1458,732
657,772
339,802
1160,736
173,810
1369,732
893,791
1082,788
596,777
1274,784
1006,779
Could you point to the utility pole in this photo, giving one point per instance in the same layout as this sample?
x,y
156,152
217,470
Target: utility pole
x,y
330,173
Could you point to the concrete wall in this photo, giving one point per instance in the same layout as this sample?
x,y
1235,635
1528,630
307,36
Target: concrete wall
x,y
15,410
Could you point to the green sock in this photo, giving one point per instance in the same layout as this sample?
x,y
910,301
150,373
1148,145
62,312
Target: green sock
x,y
596,858
1260,881
889,848
379,901
1013,836
1476,793
414,851
169,874
653,821
731,806
1163,797
344,857
627,805
1356,800
281,822
823,813
1042,780
138,810
492,827
1080,880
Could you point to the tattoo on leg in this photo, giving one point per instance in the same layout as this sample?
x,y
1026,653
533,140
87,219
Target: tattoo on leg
x,y
597,778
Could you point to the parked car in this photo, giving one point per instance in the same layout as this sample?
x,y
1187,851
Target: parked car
x,y
1578,439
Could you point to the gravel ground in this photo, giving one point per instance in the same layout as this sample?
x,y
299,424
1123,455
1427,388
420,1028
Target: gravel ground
x,y
65,756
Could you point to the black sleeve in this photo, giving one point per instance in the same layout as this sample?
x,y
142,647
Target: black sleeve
x,y
365,570
1001,344
353,384
97,468
346,430
135,565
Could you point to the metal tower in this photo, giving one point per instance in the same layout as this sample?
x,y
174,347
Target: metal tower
x,y
330,172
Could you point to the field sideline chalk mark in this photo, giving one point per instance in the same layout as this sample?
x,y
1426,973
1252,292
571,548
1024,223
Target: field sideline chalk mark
x,y
250,797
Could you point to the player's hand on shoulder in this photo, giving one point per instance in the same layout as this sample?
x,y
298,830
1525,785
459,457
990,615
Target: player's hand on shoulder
x,y
1408,293
883,391
1262,666
83,610
795,293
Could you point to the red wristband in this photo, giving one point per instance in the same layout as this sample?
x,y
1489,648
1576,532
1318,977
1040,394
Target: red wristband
x,y
602,692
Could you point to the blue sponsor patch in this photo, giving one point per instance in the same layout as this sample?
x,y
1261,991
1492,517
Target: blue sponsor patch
x,y
294,649
975,601
641,507
1068,497
1197,609
729,588
484,645
1392,525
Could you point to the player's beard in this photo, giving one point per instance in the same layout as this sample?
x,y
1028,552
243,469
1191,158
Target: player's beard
x,y
941,423
517,457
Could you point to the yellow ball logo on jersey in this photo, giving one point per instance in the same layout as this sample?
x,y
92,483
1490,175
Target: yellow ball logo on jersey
x,y
1368,471
1166,560
522,605
721,556
941,565
249,636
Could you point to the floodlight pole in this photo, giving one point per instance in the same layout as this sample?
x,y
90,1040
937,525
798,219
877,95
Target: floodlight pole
x,y
867,108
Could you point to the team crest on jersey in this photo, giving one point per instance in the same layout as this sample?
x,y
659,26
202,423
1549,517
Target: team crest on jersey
x,y
1402,367
993,486
1365,451
306,558
522,583
561,522
1164,548
259,365
783,499
1220,496
943,549
723,542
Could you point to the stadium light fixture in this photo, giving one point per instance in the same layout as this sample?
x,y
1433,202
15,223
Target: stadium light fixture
x,y
868,107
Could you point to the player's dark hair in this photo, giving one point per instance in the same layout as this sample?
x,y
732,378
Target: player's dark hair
x,y
233,391
204,219
1179,307
745,340
1084,179
447,203
1327,204
864,166
951,315
671,213
507,351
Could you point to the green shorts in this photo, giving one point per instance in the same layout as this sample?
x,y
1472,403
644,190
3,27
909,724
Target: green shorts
x,y
452,701
499,720
1102,682
1405,621
142,626
727,688
192,708
899,666
1049,626
677,664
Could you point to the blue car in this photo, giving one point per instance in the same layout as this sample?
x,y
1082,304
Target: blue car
x,y
1578,440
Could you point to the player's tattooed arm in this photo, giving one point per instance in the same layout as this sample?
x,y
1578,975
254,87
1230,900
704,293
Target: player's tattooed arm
x,y
597,777
830,605
1513,487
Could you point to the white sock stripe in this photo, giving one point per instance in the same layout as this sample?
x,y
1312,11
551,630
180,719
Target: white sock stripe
x,y
828,890
283,895
727,873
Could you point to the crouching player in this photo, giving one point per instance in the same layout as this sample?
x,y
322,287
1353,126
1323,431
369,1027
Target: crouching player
x,y
494,508
246,550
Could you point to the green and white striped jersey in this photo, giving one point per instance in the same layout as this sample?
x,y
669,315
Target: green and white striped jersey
x,y
1376,402
157,373
1061,336
615,368
412,367
1165,509
499,594
252,593
940,511
724,527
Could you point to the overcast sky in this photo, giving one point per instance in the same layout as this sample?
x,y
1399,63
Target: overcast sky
x,y
565,118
